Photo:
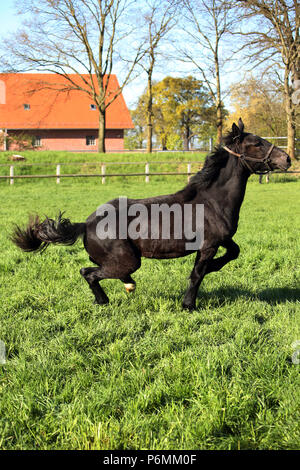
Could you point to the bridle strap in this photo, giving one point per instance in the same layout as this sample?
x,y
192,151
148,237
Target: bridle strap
x,y
232,152
245,158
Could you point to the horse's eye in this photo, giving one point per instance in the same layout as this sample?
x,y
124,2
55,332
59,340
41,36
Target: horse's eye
x,y
258,144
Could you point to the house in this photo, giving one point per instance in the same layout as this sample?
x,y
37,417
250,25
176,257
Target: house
x,y
57,118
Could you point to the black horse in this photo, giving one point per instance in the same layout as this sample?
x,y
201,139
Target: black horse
x,y
220,186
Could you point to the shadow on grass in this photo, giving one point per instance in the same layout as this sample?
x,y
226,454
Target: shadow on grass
x,y
275,295
220,296
272,296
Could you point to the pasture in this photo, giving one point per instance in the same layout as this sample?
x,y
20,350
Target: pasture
x,y
141,373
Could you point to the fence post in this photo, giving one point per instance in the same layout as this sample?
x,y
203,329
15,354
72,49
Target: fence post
x,y
103,170
58,174
147,172
11,174
210,144
189,166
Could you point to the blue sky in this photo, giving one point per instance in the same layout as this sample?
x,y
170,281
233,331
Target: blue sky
x,y
8,17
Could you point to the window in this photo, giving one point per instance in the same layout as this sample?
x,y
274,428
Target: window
x,y
26,107
93,106
90,140
37,141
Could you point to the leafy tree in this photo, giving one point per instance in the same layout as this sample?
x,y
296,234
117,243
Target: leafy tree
x,y
182,106
261,103
21,141
174,142
182,109
134,138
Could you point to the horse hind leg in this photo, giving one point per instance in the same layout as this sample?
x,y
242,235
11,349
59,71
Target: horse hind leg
x,y
93,276
117,262
123,260
129,284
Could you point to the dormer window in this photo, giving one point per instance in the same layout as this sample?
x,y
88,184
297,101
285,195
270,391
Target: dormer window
x,y
93,107
26,107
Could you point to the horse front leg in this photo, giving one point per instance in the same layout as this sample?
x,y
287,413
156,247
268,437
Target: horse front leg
x,y
233,251
200,269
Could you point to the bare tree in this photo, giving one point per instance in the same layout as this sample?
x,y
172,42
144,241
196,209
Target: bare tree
x,y
81,37
206,24
159,19
273,42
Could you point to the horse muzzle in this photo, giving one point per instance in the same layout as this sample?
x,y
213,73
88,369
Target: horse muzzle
x,y
283,162
286,164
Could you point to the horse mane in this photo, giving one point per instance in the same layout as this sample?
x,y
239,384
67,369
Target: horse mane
x,y
211,168
215,161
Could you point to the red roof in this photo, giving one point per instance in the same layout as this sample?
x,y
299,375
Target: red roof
x,y
54,109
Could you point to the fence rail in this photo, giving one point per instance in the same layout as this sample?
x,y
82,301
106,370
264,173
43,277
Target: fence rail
x,y
103,175
172,162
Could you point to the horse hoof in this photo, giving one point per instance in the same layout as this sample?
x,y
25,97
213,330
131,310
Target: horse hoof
x,y
102,302
129,287
189,307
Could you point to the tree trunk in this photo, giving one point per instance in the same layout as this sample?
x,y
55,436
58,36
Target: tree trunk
x,y
291,134
219,123
149,112
164,143
186,140
218,101
290,117
101,135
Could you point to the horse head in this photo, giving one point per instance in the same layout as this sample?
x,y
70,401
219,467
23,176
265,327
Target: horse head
x,y
256,154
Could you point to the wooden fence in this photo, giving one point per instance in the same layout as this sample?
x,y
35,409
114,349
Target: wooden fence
x,y
103,175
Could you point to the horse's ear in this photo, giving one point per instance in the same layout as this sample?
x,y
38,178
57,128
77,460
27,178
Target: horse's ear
x,y
235,131
241,125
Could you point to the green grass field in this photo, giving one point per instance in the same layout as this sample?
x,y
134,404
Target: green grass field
x,y
34,157
141,373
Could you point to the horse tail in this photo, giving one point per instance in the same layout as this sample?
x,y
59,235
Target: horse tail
x,y
38,235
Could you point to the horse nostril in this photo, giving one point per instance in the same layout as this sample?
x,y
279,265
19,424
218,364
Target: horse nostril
x,y
288,159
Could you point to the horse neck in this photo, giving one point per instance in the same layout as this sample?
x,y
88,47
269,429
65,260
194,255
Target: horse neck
x,y
229,188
